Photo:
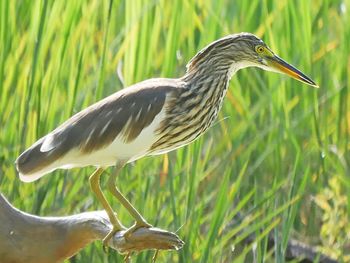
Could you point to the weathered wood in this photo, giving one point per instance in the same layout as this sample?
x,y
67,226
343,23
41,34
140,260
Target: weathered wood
x,y
28,238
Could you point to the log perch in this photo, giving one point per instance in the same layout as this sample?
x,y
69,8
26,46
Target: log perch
x,y
28,238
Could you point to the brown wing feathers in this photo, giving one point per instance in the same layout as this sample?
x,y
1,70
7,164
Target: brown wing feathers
x,y
125,113
128,115
33,160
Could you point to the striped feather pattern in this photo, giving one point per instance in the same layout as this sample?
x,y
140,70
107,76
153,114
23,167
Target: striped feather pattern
x,y
151,117
199,108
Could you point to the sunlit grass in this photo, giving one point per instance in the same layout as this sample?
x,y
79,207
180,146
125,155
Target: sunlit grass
x,y
275,146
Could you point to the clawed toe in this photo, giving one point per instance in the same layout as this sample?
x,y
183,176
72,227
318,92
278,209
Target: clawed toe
x,y
109,236
136,226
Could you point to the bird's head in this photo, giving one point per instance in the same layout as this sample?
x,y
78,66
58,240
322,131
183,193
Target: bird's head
x,y
245,50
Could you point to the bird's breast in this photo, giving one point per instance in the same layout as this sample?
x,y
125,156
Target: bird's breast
x,y
189,116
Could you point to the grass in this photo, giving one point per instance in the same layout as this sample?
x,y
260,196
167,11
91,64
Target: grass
x,y
271,155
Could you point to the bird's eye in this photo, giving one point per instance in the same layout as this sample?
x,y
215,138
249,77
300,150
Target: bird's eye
x,y
259,49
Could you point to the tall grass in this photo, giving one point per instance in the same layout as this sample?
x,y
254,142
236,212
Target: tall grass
x,y
276,145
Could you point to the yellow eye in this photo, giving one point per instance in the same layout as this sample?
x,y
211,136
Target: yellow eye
x,y
259,49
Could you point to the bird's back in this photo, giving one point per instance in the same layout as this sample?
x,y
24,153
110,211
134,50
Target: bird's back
x,y
119,127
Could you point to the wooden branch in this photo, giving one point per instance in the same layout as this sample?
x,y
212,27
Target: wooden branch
x,y
28,238
145,239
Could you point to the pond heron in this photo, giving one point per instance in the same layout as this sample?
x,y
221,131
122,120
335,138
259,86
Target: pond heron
x,y
149,118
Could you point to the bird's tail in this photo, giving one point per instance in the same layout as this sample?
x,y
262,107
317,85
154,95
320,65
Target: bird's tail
x,y
34,163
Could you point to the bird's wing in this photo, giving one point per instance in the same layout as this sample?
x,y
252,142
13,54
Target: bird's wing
x,y
125,113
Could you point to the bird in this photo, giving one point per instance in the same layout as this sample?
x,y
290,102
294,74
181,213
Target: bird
x,y
151,117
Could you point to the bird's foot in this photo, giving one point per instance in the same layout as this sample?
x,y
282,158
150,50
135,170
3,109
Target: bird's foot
x,y
109,236
137,225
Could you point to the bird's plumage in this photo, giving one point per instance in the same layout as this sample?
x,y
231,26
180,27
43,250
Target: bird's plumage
x,y
97,134
148,118
153,116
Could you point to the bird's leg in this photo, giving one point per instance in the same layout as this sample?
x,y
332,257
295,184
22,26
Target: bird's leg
x,y
154,258
139,220
95,186
127,257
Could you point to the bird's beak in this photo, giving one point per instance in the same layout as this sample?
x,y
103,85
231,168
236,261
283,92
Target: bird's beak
x,y
279,65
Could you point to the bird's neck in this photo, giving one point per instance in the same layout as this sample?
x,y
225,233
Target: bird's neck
x,y
209,86
206,90
198,69
192,110
208,79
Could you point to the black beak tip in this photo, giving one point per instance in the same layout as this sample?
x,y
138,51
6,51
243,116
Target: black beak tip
x,y
308,81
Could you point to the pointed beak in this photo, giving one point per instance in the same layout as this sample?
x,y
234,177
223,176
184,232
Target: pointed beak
x,y
279,65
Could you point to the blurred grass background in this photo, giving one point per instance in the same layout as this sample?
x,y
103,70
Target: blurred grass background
x,y
278,154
